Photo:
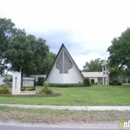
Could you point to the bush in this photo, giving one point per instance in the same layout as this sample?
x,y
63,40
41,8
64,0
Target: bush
x,y
66,85
40,81
119,83
7,81
46,90
86,82
11,79
91,84
110,83
4,90
92,80
96,83
115,82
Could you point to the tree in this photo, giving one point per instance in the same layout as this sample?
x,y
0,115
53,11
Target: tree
x,y
126,72
22,52
115,72
120,50
93,66
7,32
25,53
47,63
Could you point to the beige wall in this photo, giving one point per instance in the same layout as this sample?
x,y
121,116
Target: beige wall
x,y
73,75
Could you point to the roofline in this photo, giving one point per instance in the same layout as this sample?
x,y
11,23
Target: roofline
x,y
56,58
73,61
54,61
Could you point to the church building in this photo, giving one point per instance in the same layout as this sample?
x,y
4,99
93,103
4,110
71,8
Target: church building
x,y
64,69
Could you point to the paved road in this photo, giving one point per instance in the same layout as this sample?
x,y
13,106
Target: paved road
x,y
34,127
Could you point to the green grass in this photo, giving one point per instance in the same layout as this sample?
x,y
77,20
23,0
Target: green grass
x,y
89,96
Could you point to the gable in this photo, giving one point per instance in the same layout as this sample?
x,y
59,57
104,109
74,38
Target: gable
x,y
64,69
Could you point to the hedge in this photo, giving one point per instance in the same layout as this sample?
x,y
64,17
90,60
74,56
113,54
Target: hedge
x,y
40,81
66,85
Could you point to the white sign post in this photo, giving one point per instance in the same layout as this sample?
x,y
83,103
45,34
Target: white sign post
x,y
16,86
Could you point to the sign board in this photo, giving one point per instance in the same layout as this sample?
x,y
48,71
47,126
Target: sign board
x,y
28,82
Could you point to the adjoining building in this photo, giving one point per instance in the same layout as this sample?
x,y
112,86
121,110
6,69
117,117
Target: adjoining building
x,y
97,76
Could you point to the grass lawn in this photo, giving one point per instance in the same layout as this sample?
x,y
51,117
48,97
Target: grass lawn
x,y
97,95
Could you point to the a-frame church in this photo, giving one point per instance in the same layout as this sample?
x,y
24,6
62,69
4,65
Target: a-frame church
x,y
64,69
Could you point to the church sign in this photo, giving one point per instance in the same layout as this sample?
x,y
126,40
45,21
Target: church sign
x,y
28,82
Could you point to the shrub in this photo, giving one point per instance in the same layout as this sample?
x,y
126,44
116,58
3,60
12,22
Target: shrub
x,y
7,81
91,84
115,82
92,80
40,81
46,90
110,83
119,83
11,79
66,85
96,83
86,82
4,90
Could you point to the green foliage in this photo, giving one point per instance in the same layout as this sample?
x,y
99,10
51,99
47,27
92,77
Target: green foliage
x,y
65,85
87,82
40,81
23,52
93,66
4,90
115,82
98,95
126,72
46,90
92,81
48,62
7,32
26,53
119,50
115,72
7,79
96,83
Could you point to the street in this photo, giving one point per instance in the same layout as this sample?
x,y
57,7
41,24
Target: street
x,y
36,127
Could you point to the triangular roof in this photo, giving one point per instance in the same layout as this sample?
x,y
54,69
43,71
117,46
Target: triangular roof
x,y
104,63
61,48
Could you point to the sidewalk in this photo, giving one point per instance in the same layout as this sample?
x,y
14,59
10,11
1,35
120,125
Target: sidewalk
x,y
95,108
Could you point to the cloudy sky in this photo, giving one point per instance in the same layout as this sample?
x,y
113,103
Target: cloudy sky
x,y
86,27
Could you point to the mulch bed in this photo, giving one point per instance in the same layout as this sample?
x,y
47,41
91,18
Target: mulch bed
x,y
32,95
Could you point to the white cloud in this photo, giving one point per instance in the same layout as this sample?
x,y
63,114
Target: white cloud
x,y
80,60
87,27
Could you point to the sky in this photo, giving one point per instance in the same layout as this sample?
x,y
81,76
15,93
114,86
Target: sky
x,y
86,27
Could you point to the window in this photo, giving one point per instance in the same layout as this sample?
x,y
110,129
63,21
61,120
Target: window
x,y
63,63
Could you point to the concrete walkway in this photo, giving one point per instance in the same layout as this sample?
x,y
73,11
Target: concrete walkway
x,y
95,108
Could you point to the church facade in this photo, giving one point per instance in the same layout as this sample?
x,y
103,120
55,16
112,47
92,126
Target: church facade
x,y
64,69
